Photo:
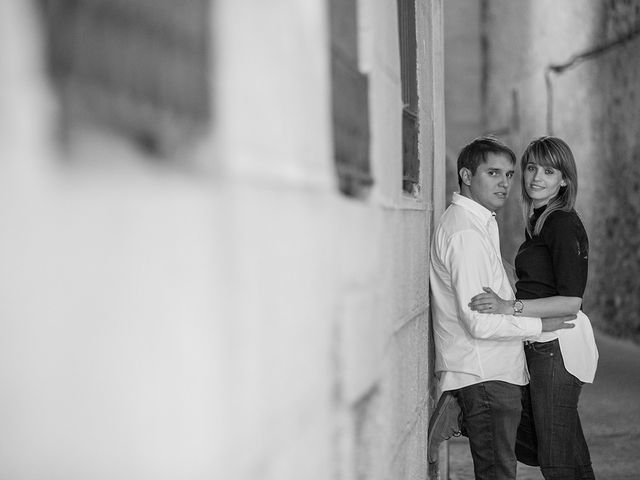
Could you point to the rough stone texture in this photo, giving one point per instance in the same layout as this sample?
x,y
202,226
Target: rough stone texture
x,y
614,208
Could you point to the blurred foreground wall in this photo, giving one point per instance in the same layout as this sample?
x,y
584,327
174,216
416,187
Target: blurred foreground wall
x,y
188,289
591,100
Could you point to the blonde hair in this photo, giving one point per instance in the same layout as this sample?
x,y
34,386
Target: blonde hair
x,y
551,152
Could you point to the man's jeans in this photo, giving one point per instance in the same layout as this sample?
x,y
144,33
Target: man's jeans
x,y
491,413
550,433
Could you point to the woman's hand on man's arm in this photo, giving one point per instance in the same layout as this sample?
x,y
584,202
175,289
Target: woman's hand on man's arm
x,y
491,302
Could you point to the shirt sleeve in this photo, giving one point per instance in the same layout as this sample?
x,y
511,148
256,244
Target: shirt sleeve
x,y
566,238
469,260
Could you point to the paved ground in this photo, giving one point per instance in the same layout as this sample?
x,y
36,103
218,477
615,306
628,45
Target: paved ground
x,y
610,414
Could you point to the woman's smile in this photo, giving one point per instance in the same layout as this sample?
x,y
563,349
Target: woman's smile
x,y
542,183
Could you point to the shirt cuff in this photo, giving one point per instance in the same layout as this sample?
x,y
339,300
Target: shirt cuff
x,y
532,326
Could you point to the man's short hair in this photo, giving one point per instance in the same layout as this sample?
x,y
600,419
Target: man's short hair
x,y
476,152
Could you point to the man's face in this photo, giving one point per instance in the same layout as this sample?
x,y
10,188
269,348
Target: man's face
x,y
491,183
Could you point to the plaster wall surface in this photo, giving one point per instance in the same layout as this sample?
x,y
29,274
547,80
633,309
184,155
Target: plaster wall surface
x,y
226,313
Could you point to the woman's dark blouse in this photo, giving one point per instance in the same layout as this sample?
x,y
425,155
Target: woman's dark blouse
x,y
556,261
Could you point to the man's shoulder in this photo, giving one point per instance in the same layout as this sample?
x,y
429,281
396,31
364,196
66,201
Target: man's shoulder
x,y
458,229
456,219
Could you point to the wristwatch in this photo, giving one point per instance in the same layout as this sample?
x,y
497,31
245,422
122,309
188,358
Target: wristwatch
x,y
518,307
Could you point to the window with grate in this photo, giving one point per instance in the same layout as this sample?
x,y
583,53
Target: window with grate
x,y
350,102
408,75
138,67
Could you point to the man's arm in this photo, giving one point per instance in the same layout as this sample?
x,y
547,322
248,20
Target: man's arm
x,y
551,324
511,273
472,264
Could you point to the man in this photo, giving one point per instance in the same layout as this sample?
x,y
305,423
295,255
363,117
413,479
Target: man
x,y
479,357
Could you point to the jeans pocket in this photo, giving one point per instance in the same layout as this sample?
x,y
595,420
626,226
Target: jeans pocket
x,y
546,349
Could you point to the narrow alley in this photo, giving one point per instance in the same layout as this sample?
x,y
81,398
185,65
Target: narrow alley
x,y
218,218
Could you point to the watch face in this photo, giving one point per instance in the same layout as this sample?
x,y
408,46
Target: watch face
x,y
518,306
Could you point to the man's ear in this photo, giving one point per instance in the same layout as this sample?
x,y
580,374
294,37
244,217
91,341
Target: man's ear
x,y
465,175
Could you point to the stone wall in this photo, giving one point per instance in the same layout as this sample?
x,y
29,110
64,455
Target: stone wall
x,y
613,206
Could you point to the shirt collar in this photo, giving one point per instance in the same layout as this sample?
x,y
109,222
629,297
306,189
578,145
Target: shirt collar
x,y
474,207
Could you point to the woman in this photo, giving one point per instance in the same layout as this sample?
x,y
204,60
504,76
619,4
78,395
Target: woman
x,y
551,266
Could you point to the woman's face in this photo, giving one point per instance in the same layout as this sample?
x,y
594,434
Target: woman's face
x,y
542,183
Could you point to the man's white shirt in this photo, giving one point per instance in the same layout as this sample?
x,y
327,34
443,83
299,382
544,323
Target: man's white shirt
x,y
473,347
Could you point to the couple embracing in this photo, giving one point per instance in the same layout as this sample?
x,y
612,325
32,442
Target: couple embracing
x,y
513,364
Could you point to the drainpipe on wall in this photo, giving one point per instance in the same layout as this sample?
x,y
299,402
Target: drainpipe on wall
x,y
574,61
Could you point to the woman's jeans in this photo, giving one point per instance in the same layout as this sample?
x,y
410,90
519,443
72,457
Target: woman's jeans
x,y
550,434
491,412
